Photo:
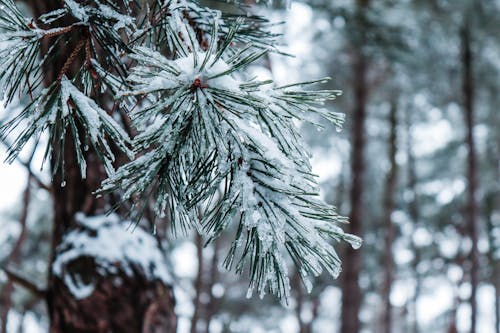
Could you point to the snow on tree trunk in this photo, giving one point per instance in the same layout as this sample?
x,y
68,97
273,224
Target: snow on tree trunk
x,y
109,276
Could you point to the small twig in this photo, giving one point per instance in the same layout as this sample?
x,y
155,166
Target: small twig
x,y
25,283
88,54
58,32
71,59
35,177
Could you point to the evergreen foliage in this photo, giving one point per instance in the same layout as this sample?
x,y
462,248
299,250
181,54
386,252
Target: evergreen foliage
x,y
214,148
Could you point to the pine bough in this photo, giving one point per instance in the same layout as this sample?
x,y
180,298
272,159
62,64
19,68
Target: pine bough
x,y
215,149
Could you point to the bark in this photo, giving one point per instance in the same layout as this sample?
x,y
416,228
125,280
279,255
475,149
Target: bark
x,y
389,198
134,305
471,209
351,293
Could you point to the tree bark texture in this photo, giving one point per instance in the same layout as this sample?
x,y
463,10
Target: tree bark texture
x,y
471,209
134,305
389,198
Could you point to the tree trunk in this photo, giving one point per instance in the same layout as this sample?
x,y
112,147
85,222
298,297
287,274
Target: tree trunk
x,y
452,327
390,189
300,302
136,304
414,213
351,293
14,256
198,285
213,303
205,303
471,209
490,205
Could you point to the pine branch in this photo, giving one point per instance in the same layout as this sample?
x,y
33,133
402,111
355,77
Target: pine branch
x,y
210,140
60,108
212,128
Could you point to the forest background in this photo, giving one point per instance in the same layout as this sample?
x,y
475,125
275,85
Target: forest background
x,y
416,169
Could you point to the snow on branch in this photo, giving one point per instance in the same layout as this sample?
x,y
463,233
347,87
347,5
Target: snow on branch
x,y
217,143
62,108
215,150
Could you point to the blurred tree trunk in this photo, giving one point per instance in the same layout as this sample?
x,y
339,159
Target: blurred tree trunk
x,y
471,209
205,303
138,304
490,205
389,198
213,303
198,285
351,293
452,327
297,286
414,213
14,256
21,324
302,298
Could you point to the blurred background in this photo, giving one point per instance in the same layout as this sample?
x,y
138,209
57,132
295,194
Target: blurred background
x,y
416,169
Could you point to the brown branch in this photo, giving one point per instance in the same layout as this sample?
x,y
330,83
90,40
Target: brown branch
x,y
71,59
58,32
25,283
88,54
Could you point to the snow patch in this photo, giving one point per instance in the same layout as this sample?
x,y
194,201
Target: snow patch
x,y
112,243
